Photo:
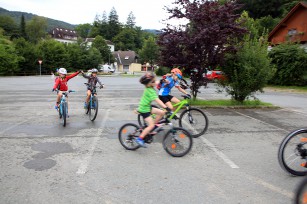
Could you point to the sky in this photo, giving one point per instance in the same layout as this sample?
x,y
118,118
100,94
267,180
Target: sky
x,y
149,14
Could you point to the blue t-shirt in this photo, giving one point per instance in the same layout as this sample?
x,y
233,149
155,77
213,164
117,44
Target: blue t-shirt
x,y
166,87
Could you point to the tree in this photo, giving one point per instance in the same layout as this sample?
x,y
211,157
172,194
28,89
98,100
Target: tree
x,y
83,30
36,29
114,27
150,51
101,45
28,51
248,70
126,39
8,24
8,58
204,41
130,20
23,27
53,54
291,63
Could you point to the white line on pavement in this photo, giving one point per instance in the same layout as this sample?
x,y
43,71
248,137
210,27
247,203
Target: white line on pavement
x,y
220,154
88,157
270,186
213,148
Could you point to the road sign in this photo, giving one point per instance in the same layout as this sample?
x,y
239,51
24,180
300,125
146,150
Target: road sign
x,y
40,61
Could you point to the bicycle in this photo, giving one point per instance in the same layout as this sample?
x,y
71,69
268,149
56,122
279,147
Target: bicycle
x,y
63,107
300,196
177,142
292,153
92,105
192,119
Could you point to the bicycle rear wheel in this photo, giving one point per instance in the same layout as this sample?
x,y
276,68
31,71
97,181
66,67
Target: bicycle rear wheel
x,y
141,120
93,108
292,153
64,112
127,135
195,121
177,142
301,192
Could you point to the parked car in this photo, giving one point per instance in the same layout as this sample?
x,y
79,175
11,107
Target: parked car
x,y
106,68
215,75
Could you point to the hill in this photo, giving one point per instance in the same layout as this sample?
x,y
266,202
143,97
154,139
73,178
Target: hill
x,y
16,15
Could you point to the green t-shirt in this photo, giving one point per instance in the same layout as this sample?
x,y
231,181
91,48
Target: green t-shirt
x,y
149,95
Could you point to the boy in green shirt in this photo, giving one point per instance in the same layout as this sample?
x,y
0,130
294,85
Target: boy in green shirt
x,y
145,108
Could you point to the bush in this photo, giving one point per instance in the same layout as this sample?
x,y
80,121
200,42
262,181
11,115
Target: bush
x,y
291,63
162,71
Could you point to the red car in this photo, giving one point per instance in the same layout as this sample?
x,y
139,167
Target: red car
x,y
215,75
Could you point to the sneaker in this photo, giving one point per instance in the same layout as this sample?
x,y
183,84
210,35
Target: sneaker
x,y
141,142
56,106
85,105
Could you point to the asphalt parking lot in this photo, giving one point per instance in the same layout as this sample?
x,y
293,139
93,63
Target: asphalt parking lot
x,y
44,162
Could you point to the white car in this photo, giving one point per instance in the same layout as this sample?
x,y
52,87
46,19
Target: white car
x,y
106,68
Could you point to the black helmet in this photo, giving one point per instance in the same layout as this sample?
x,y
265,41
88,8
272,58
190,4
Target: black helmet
x,y
146,78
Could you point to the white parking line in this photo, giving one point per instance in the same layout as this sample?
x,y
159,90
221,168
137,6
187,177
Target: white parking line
x,y
219,153
269,186
214,149
88,157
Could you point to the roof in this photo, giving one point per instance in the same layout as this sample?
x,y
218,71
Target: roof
x,y
58,32
281,23
125,57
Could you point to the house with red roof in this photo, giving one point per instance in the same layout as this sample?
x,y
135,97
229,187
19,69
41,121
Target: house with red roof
x,y
291,28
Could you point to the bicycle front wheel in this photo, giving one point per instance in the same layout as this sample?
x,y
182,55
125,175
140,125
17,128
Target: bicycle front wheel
x,y
301,192
93,108
195,121
292,153
127,135
64,112
177,142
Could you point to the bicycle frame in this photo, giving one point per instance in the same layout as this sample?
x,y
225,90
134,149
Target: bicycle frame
x,y
179,105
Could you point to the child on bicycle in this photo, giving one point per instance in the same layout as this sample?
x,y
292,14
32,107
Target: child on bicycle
x,y
61,84
169,81
145,108
92,81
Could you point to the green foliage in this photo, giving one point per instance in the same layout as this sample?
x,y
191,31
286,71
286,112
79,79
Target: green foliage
x,y
126,39
8,58
83,30
291,64
162,71
248,70
53,54
28,51
36,29
101,45
150,51
8,24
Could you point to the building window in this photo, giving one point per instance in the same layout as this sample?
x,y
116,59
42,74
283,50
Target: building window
x,y
292,32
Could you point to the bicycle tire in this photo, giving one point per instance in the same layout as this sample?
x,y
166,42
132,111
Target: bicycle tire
x,y
176,142
127,136
59,110
141,120
64,113
300,196
293,137
189,127
93,111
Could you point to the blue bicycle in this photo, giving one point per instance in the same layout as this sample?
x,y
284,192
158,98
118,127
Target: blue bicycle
x,y
63,106
92,105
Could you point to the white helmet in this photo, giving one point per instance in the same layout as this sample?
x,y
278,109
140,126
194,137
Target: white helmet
x,y
94,70
62,71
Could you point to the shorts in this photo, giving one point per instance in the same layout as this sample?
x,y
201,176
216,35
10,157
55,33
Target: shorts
x,y
166,99
145,115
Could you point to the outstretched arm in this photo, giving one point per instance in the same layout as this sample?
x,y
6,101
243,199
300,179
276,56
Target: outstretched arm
x,y
72,75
